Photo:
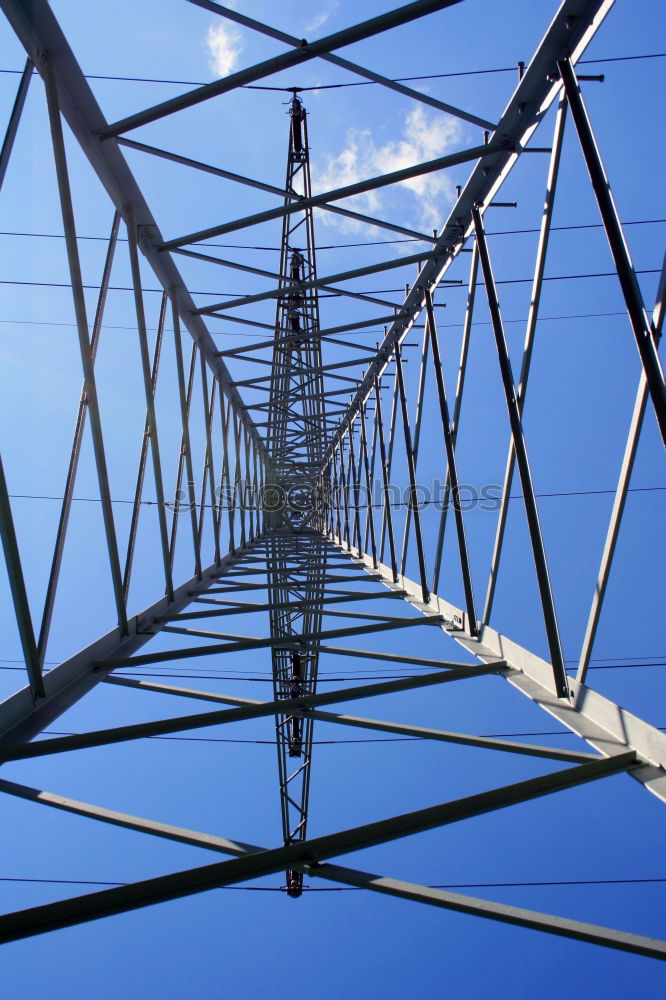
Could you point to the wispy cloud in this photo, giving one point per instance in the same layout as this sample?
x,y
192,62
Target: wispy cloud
x,y
424,137
320,19
224,47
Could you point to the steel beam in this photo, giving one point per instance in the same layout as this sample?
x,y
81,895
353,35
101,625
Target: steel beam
x,y
602,723
336,60
69,912
570,32
18,591
305,52
349,191
638,317
14,119
39,32
535,300
520,448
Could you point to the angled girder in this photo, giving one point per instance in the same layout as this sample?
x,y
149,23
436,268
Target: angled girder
x,y
39,32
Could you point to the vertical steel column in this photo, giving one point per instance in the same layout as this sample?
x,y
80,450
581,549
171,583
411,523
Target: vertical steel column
x,y
185,457
355,479
74,263
413,498
457,404
18,591
534,527
225,477
417,435
132,239
625,268
368,486
372,460
451,468
61,534
387,519
389,456
537,283
14,119
621,492
209,467
138,492
237,475
343,485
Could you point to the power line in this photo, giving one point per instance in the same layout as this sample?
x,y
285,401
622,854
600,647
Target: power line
x,y
375,506
358,676
501,281
343,246
354,888
370,347
338,86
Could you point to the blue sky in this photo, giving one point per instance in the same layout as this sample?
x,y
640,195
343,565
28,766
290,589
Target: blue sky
x,y
584,377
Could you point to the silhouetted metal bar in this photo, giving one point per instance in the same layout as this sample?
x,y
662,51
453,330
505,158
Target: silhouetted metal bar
x,y
621,492
132,237
452,469
225,477
404,890
531,511
343,487
163,727
413,497
349,191
18,591
387,517
322,283
38,31
236,644
366,29
68,492
84,341
138,492
457,404
209,413
14,119
355,480
535,300
369,523
394,85
638,317
371,479
237,498
578,930
420,393
376,725
271,189
571,30
179,884
185,457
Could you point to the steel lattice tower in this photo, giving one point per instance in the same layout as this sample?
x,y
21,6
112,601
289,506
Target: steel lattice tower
x,y
284,525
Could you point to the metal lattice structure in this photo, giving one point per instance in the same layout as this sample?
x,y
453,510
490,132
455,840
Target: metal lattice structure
x,y
293,433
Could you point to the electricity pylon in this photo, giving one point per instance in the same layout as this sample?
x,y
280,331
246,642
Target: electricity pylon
x,y
295,441
299,521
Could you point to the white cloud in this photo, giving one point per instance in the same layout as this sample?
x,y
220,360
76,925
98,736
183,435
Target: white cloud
x,y
320,19
424,137
224,47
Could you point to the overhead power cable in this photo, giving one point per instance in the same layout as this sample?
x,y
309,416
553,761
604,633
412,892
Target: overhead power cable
x,y
354,888
370,347
344,246
378,506
354,83
160,291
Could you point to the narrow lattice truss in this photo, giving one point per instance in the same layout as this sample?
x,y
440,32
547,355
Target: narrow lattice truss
x,y
279,510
